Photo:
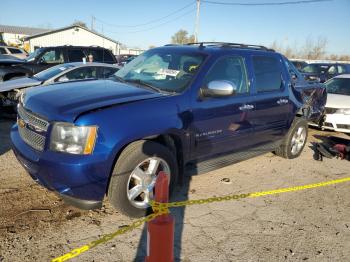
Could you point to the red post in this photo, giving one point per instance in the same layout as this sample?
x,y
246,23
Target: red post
x,y
160,231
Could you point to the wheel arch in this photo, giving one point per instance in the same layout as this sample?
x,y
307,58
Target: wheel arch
x,y
172,141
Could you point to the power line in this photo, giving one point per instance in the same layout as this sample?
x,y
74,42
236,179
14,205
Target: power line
x,y
151,28
266,3
149,22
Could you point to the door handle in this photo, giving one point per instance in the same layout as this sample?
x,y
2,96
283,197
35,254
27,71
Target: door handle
x,y
246,107
282,101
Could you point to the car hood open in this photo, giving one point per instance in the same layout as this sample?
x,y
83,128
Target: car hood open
x,y
65,102
338,101
18,84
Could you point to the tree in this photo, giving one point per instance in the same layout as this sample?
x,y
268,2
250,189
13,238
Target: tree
x,y
182,37
315,49
80,23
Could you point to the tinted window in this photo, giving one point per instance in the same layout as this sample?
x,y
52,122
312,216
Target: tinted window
x,y
267,73
52,56
97,55
3,51
230,69
14,51
75,55
108,57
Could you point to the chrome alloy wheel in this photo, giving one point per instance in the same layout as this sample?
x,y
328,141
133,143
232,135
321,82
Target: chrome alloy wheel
x,y
140,186
298,140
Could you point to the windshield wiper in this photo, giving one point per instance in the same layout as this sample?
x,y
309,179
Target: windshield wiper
x,y
140,82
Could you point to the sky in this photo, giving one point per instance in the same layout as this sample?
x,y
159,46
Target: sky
x,y
141,23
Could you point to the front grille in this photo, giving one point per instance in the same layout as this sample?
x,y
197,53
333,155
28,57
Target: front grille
x,y
31,138
343,126
32,119
32,128
328,124
330,110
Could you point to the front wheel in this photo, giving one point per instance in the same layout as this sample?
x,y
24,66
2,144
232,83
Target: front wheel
x,y
294,142
133,179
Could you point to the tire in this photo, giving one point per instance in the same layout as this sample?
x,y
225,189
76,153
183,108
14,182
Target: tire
x,y
125,176
294,142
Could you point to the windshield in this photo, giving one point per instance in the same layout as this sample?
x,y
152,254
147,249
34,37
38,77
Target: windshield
x,y
315,69
51,72
340,86
33,55
165,70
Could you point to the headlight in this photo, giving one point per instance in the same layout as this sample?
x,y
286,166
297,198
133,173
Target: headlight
x,y
344,111
68,138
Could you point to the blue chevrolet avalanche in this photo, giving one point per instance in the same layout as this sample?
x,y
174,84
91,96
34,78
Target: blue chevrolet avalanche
x,y
177,108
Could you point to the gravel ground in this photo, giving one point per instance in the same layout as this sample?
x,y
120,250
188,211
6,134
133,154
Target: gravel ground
x,y
310,225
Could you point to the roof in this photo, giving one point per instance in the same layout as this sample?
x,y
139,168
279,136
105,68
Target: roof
x,y
67,28
23,30
343,76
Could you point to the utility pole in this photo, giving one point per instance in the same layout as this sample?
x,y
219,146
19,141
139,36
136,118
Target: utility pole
x,y
92,23
196,27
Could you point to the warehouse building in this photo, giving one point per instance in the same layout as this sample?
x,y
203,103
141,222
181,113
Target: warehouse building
x,y
75,35
13,35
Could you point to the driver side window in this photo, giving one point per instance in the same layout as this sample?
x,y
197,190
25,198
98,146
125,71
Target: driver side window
x,y
230,69
52,57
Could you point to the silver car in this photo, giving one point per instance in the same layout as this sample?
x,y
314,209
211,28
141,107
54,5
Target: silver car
x,y
12,89
13,51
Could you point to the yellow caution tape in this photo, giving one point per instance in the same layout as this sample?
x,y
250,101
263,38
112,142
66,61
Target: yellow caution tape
x,y
163,208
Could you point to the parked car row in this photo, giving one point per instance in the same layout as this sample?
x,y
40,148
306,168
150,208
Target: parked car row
x,y
47,57
321,72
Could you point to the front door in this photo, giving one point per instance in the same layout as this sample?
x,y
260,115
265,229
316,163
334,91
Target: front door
x,y
50,57
223,124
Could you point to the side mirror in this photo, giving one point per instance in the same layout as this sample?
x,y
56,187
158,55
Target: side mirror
x,y
219,88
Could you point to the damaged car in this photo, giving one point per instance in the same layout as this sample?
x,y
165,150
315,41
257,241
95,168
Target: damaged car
x,y
11,90
178,108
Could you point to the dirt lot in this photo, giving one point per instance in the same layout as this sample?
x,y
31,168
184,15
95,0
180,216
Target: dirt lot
x,y
310,225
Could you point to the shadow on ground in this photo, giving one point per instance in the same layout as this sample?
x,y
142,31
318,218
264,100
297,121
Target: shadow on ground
x,y
5,142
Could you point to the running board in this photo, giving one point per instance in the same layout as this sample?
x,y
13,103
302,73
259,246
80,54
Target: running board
x,y
193,168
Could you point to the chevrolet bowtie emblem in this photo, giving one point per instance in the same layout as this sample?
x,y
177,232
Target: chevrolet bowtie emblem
x,y
21,123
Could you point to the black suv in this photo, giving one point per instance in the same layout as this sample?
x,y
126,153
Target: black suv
x,y
45,57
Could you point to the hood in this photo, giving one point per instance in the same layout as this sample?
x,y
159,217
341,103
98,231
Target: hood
x,y
338,101
12,61
66,101
18,83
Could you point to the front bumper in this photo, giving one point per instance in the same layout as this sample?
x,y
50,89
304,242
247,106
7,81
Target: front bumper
x,y
337,122
80,180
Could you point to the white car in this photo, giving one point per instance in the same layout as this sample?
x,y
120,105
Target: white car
x,y
338,104
13,51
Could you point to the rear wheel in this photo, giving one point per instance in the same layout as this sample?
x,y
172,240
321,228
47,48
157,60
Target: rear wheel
x,y
294,142
133,179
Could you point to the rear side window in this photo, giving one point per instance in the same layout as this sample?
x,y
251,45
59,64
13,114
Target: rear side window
x,y
108,57
231,69
96,55
75,55
268,74
2,51
14,51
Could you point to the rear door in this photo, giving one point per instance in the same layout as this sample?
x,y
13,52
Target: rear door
x,y
272,115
